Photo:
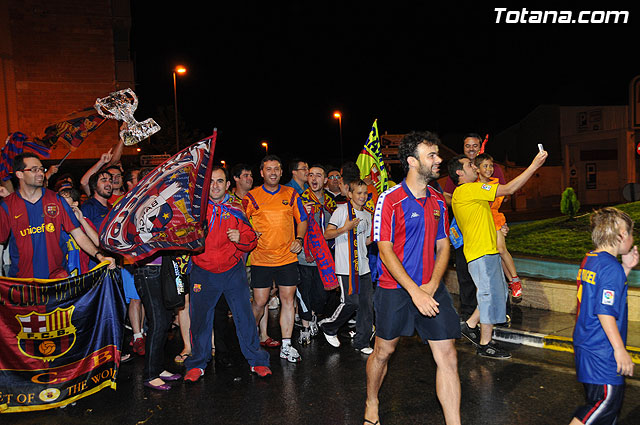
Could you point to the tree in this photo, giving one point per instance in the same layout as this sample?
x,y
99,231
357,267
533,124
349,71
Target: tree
x,y
569,205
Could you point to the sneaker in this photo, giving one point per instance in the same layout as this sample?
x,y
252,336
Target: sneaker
x,y
297,322
352,334
493,351
138,346
305,336
274,303
261,371
193,374
351,323
366,350
516,290
472,334
313,325
331,339
506,324
290,353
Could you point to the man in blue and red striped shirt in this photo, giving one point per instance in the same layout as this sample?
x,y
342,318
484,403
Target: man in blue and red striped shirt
x,y
32,219
410,226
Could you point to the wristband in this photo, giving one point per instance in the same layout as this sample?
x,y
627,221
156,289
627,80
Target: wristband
x,y
300,239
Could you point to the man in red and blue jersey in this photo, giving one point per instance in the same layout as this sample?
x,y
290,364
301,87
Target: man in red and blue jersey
x,y
32,219
410,226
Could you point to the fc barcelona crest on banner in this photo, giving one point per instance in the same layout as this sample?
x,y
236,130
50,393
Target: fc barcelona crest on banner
x,y
46,336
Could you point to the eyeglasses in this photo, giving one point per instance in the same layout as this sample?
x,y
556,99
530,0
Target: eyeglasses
x,y
35,170
338,177
301,169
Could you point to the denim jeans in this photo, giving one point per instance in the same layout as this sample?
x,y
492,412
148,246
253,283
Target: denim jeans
x,y
148,285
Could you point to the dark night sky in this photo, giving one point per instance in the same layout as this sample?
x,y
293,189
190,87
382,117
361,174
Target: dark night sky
x,y
278,70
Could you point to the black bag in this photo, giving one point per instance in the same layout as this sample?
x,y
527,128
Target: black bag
x,y
169,276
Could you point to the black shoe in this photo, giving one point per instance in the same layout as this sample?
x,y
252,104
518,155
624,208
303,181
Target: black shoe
x,y
493,351
472,334
223,360
506,324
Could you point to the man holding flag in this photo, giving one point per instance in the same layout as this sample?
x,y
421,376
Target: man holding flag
x,y
370,163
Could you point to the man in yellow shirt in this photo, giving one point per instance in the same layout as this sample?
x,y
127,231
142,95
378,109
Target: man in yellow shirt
x,y
470,203
278,215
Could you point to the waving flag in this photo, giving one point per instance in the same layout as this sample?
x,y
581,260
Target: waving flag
x,y
370,161
166,210
75,128
60,338
15,144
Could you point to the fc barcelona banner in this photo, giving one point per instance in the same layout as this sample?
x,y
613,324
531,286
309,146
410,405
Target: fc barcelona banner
x,y
59,338
166,210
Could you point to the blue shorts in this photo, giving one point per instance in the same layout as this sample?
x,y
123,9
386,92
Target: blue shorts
x,y
603,404
130,292
396,315
492,290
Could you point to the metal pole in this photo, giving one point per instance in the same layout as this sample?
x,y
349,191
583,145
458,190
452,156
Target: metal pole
x,y
175,105
340,125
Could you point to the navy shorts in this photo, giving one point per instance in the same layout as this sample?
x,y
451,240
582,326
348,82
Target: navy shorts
x,y
396,315
264,276
603,404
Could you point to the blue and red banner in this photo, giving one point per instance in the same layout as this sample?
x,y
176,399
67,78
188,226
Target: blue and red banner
x,y
75,128
60,338
166,210
15,144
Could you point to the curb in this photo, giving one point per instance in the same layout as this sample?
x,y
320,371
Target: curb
x,y
550,342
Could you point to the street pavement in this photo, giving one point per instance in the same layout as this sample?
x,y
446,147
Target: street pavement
x,y
536,386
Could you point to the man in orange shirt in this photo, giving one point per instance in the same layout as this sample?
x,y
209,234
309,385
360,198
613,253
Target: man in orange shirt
x,y
279,217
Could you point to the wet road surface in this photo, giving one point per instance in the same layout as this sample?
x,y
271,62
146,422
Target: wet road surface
x,y
328,387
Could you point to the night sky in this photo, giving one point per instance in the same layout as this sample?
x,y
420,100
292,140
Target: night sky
x,y
278,70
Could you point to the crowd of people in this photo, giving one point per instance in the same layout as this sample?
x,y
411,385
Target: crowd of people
x,y
389,252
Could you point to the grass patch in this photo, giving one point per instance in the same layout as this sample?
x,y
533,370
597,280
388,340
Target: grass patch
x,y
560,238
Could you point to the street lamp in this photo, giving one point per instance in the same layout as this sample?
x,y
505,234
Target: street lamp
x,y
224,164
177,70
338,115
265,145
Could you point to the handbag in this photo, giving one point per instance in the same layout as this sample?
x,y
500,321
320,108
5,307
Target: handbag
x,y
172,281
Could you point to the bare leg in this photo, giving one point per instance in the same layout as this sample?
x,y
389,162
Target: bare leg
x,y
287,309
376,371
576,421
507,259
259,306
135,311
486,332
447,379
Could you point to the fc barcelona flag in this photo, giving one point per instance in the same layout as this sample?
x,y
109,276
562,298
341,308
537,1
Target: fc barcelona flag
x,y
370,161
166,210
60,338
75,128
16,144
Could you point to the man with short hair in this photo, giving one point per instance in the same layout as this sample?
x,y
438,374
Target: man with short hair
x,y
311,294
470,203
243,177
333,185
32,218
117,183
96,208
410,225
278,215
299,174
471,145
131,178
220,270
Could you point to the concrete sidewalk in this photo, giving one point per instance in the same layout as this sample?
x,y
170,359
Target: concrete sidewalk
x,y
553,330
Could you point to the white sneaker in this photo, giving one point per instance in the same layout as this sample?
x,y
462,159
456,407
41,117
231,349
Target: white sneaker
x,y
366,350
290,353
305,337
352,334
332,339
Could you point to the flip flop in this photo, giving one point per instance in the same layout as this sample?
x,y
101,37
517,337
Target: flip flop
x,y
270,343
372,423
180,358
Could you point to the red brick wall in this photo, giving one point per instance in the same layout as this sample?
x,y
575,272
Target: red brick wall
x,y
62,57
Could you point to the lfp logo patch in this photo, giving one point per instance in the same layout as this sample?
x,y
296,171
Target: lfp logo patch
x,y
608,297
486,186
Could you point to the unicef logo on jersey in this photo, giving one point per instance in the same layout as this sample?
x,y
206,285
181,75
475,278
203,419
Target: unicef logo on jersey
x,y
31,230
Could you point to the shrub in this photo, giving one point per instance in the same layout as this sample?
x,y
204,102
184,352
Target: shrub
x,y
569,205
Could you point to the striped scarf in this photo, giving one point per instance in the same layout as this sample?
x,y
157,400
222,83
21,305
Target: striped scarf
x,y
354,273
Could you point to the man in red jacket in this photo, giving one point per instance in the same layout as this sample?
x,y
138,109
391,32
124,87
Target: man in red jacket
x,y
220,270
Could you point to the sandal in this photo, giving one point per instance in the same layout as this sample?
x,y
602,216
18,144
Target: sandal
x,y
372,423
180,358
270,343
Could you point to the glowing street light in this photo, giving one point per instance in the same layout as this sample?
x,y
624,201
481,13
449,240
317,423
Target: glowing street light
x,y
265,145
224,164
177,70
338,115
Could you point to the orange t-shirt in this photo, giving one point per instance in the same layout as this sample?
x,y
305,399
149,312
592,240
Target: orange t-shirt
x,y
274,215
498,218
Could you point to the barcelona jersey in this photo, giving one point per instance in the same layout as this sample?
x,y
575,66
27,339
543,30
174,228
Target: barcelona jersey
x,y
35,233
602,289
274,214
414,226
